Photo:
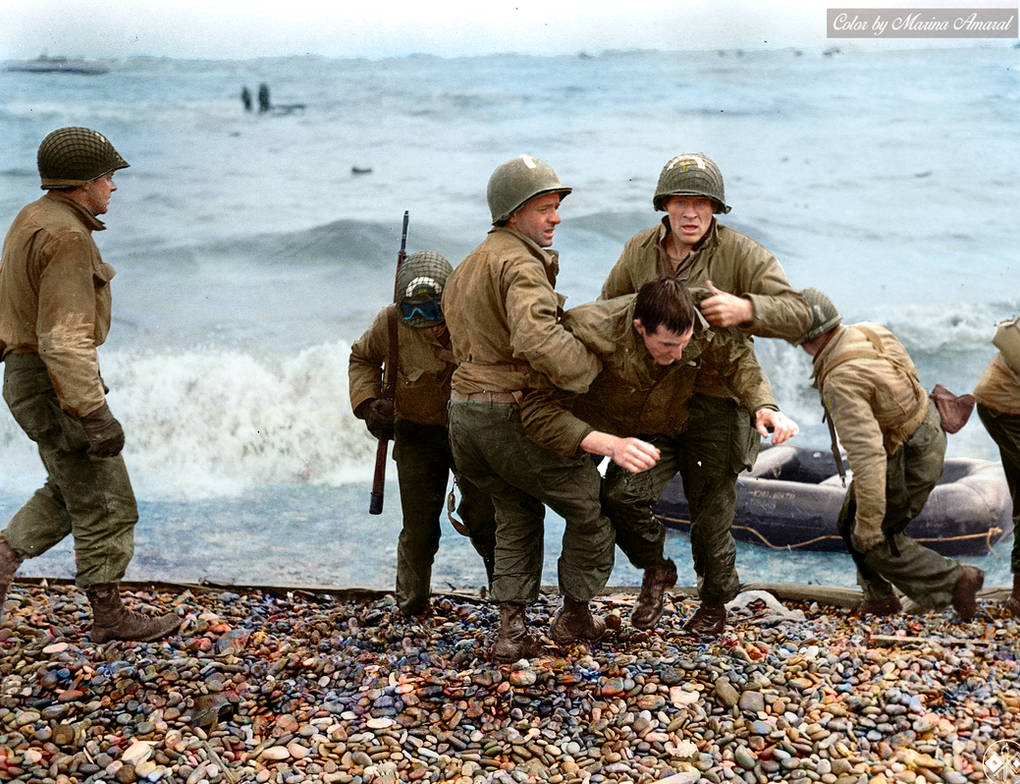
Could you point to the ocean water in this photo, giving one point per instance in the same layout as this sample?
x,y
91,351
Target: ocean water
x,y
250,255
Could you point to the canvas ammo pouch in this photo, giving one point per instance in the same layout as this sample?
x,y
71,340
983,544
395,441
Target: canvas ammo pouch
x,y
1007,340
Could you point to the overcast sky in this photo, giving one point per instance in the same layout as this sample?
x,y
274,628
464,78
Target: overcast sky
x,y
361,28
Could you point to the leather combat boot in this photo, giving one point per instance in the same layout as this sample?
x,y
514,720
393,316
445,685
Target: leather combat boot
x,y
111,620
883,605
9,563
1013,603
708,621
574,621
648,607
965,591
513,641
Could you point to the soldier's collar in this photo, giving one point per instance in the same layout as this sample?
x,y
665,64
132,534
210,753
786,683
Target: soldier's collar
x,y
552,255
91,221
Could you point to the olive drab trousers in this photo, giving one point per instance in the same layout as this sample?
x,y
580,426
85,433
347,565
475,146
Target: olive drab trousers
x,y
88,497
718,443
424,462
1005,432
491,448
927,577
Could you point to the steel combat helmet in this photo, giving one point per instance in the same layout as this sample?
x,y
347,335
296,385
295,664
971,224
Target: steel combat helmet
x,y
517,181
420,285
824,315
691,174
73,156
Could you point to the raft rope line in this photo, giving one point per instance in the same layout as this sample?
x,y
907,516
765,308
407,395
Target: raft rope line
x,y
993,531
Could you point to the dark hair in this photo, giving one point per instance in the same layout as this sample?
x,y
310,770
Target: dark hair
x,y
665,302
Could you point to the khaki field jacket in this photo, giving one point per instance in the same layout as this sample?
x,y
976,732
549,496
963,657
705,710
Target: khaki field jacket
x,y
504,319
999,387
876,403
55,297
633,395
424,368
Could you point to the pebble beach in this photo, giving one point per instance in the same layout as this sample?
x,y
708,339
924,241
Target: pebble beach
x,y
309,685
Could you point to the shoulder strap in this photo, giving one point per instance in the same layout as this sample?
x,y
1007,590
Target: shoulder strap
x,y
846,357
875,352
390,376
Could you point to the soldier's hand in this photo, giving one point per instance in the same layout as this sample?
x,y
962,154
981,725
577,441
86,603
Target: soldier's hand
x,y
775,423
864,538
105,435
726,310
379,418
631,454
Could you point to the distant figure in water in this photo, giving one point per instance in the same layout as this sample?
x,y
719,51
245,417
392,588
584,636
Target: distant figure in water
x,y
263,97
246,98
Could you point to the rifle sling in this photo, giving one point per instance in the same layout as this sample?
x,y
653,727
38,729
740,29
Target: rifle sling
x,y
390,375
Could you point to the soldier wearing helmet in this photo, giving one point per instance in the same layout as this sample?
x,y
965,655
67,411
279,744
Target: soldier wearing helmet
x,y
998,405
652,345
750,294
503,314
416,421
54,314
895,445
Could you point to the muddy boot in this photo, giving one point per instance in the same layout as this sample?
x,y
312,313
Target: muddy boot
x,y
575,622
112,621
883,605
648,607
513,641
708,621
965,591
418,612
1013,602
9,563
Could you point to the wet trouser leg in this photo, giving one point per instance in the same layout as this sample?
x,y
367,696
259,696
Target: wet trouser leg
x,y
89,497
492,450
717,445
627,500
924,575
1005,431
478,514
422,454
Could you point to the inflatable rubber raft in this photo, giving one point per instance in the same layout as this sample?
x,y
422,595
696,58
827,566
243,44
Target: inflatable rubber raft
x,y
792,496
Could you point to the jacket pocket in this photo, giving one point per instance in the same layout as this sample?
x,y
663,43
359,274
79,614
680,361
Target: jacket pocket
x,y
102,273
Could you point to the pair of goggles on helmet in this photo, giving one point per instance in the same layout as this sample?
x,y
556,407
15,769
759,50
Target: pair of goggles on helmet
x,y
429,310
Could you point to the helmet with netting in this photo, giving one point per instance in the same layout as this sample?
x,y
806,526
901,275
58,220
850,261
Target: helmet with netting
x,y
517,181
690,174
420,283
73,156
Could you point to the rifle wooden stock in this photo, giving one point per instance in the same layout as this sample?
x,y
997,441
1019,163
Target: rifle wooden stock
x,y
375,504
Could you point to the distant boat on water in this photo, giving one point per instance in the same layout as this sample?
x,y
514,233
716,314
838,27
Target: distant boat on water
x,y
44,64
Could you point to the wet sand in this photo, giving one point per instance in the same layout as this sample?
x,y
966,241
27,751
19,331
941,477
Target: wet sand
x,y
319,685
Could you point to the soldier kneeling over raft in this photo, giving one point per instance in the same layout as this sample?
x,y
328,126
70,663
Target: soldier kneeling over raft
x,y
895,445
